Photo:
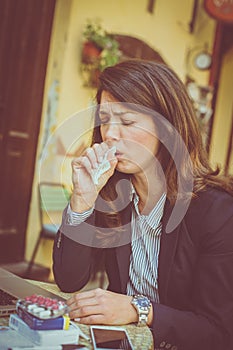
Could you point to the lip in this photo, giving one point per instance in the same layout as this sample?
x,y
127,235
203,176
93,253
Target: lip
x,y
118,154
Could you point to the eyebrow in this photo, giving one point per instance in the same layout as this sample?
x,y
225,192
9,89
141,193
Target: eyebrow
x,y
116,113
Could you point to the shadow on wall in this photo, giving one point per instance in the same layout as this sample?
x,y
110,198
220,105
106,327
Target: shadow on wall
x,y
135,48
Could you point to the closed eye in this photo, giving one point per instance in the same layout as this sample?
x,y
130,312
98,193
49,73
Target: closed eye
x,y
127,122
123,122
104,118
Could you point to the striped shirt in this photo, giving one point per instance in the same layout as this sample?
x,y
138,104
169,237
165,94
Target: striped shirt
x,y
146,233
72,218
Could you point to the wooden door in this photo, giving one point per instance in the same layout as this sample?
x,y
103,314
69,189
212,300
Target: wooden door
x,y
25,28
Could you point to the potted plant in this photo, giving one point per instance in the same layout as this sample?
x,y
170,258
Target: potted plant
x,y
100,50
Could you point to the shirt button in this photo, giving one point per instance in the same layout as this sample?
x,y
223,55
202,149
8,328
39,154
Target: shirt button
x,y
168,346
174,347
162,344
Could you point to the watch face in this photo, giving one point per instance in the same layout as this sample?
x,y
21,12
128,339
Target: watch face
x,y
143,302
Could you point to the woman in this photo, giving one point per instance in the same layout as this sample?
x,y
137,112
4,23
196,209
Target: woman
x,y
159,216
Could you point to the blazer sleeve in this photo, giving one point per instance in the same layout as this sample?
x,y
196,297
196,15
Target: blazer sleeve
x,y
74,255
207,323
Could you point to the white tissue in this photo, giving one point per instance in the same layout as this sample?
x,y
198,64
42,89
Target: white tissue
x,y
103,167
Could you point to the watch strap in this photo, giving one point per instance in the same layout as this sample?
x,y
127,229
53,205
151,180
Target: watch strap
x,y
142,310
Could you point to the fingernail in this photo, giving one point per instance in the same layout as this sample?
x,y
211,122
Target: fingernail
x,y
77,319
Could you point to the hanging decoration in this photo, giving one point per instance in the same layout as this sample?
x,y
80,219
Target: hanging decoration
x,y
100,50
199,59
221,10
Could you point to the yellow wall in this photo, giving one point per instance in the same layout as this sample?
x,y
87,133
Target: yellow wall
x,y
223,114
166,30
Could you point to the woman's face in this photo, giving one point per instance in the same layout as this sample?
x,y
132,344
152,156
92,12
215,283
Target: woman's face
x,y
132,133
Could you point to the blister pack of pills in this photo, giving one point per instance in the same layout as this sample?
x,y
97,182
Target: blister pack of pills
x,y
43,307
103,167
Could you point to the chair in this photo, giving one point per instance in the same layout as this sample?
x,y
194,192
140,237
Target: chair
x,y
53,198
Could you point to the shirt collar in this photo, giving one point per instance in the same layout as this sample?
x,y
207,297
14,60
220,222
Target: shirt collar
x,y
153,219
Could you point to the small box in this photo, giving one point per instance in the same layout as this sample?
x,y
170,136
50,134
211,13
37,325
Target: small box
x,y
33,322
46,337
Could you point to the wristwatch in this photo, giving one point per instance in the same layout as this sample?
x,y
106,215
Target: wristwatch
x,y
142,304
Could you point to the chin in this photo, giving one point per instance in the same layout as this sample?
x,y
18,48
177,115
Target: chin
x,y
126,168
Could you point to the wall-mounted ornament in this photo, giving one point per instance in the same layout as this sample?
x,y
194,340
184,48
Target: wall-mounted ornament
x,y
100,50
203,60
150,6
221,10
202,101
198,57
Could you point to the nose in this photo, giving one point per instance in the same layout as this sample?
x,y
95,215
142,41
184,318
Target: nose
x,y
111,132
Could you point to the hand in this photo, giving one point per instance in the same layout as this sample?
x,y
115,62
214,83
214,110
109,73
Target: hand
x,y
100,306
85,191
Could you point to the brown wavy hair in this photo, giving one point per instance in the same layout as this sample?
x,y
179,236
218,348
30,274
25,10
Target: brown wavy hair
x,y
155,86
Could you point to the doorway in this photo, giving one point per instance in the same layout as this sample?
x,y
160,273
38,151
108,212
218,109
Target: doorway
x,y
25,30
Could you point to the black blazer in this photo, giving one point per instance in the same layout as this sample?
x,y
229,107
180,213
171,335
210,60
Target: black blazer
x,y
195,276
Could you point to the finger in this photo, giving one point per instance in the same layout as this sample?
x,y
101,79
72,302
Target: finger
x,y
77,304
82,163
91,155
84,295
86,310
76,163
92,319
83,309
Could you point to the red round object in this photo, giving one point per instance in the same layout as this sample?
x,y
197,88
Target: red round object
x,y
222,10
90,52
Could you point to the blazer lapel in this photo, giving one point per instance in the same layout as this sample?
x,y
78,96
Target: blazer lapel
x,y
168,245
123,260
123,252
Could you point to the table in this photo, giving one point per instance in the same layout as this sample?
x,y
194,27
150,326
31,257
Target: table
x,y
141,337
